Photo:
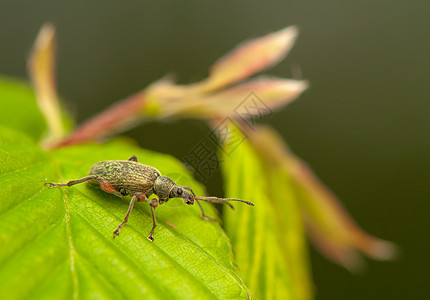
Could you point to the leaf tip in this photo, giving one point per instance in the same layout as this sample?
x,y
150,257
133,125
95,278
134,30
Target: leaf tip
x,y
383,250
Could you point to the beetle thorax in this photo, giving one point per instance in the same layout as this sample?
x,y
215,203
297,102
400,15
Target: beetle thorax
x,y
162,187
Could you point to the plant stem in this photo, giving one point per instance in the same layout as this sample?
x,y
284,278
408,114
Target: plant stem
x,y
116,118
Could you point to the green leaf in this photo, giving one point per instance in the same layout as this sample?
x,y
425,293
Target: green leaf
x,y
268,241
18,108
57,243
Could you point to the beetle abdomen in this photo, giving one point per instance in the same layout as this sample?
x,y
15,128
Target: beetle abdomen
x,y
127,177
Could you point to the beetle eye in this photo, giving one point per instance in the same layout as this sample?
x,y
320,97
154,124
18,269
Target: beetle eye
x,y
179,192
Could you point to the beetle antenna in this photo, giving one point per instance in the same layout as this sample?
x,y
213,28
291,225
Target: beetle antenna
x,y
222,200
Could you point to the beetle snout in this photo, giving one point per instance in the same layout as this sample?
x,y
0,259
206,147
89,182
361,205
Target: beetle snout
x,y
189,201
186,195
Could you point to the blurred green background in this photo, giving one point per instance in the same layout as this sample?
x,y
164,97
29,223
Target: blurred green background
x,y
363,125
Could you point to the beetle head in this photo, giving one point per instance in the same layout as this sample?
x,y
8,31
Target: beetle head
x,y
165,188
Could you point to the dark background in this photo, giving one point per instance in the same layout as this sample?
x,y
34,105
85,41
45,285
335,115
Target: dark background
x,y
362,126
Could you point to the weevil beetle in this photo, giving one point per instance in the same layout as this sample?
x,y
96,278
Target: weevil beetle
x,y
129,177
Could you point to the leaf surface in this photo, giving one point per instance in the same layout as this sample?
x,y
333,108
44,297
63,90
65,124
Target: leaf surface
x,y
269,240
57,243
18,108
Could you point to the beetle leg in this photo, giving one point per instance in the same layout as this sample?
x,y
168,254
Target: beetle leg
x,y
130,207
153,204
203,213
141,197
107,187
72,182
133,158
104,184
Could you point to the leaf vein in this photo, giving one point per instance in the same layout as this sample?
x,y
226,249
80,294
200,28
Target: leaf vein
x,y
21,170
43,285
103,276
173,261
124,256
22,202
33,241
69,236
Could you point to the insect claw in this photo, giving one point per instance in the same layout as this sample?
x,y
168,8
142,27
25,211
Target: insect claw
x,y
151,238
